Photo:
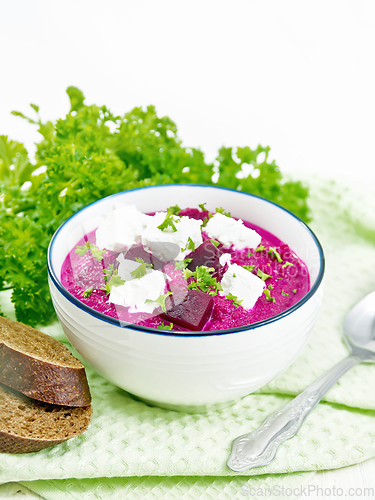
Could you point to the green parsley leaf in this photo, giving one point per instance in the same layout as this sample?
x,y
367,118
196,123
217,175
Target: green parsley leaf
x,y
295,290
249,268
88,292
169,221
202,280
202,207
140,271
215,242
181,265
114,281
82,250
95,251
205,220
285,294
161,300
236,302
269,183
162,326
190,245
111,279
287,264
267,293
263,276
270,286
273,252
222,211
260,248
108,272
174,210
249,254
188,273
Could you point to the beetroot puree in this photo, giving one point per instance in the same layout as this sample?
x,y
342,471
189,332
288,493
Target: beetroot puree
x,y
287,284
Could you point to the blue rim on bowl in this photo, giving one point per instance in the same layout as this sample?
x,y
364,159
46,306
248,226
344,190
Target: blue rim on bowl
x,y
117,322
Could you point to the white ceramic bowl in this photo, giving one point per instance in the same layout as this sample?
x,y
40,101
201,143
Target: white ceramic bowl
x,y
191,371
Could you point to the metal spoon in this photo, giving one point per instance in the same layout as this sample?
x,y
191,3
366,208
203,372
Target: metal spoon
x,y
259,447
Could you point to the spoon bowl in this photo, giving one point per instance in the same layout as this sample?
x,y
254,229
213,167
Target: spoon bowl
x,y
359,326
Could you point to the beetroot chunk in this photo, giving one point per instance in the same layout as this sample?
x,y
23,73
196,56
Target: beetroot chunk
x,y
138,252
205,255
192,312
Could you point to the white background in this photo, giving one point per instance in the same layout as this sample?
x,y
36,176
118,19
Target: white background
x,y
297,76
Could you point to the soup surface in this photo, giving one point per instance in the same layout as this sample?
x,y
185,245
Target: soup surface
x,y
184,270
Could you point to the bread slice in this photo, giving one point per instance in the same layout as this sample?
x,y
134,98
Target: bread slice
x,y
40,366
27,425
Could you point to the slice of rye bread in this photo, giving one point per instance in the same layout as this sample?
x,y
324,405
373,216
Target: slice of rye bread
x,y
27,425
40,366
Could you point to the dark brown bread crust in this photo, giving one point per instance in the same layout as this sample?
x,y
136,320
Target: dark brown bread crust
x,y
27,425
56,381
17,445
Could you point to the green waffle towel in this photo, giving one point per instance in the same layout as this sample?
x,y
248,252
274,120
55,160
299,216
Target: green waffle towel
x,y
135,451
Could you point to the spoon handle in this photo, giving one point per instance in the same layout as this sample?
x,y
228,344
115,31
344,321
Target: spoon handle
x,y
259,447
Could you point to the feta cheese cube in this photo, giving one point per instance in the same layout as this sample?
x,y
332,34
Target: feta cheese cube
x,y
225,258
167,244
121,227
134,293
232,232
242,284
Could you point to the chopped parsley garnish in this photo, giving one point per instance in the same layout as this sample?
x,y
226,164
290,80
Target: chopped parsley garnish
x,y
249,254
95,251
202,207
111,279
285,294
202,280
87,292
270,286
182,264
236,302
140,271
263,276
175,210
250,267
287,264
273,252
222,211
161,300
168,222
108,272
162,326
295,290
205,220
190,245
215,242
260,248
267,293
